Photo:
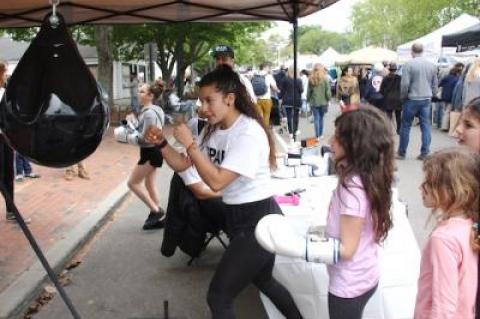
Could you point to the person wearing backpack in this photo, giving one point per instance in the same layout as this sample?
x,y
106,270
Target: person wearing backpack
x,y
263,85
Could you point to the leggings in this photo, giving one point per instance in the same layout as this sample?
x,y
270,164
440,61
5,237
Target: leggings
x,y
348,308
245,262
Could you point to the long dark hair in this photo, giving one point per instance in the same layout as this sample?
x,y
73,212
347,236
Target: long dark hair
x,y
367,140
227,81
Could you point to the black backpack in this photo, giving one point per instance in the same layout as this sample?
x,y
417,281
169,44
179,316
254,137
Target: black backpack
x,y
259,85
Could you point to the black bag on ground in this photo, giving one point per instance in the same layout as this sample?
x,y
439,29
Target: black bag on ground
x,y
53,112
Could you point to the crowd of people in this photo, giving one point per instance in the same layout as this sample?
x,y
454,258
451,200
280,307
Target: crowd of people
x,y
228,154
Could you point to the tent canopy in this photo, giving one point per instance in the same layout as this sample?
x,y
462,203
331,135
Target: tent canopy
x,y
328,57
469,37
432,42
369,55
25,13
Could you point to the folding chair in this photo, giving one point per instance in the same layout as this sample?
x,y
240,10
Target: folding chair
x,y
212,211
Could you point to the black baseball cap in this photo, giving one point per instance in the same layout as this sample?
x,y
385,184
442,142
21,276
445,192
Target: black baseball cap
x,y
222,50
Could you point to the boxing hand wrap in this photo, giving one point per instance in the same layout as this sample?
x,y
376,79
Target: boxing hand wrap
x,y
322,249
276,235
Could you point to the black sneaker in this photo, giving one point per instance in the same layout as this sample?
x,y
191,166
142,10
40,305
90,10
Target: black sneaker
x,y
400,157
154,220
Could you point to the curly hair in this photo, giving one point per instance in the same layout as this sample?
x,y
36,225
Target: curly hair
x,y
452,176
227,81
367,140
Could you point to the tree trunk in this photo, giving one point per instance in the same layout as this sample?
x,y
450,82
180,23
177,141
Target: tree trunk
x,y
103,42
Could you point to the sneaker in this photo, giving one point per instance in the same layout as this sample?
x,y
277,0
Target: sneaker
x,y
32,175
422,157
154,220
19,178
11,218
400,157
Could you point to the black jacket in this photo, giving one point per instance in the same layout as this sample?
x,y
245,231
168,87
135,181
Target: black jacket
x,y
286,92
188,220
390,90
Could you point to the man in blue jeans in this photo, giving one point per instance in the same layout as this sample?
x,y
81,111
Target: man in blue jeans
x,y
419,84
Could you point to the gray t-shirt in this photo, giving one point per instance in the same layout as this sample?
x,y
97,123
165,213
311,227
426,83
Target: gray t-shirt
x,y
149,115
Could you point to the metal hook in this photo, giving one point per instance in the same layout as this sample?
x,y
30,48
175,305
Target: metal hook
x,y
54,21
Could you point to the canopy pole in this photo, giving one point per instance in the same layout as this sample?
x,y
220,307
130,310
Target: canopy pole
x,y
295,53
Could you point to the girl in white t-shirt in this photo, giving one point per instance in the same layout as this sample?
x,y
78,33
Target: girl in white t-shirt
x,y
359,213
234,155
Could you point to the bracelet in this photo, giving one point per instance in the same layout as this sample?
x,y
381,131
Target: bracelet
x,y
163,144
192,145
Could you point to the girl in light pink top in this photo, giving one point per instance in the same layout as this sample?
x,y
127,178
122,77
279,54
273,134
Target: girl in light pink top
x,y
359,213
447,286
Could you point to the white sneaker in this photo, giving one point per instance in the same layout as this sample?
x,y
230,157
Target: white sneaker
x,y
19,178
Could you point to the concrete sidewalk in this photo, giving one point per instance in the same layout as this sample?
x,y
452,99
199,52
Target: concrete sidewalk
x,y
64,214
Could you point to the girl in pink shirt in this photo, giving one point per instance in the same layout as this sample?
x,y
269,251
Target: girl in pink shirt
x,y
447,286
359,213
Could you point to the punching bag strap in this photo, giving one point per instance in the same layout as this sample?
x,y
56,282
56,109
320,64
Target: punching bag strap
x,y
54,21
37,250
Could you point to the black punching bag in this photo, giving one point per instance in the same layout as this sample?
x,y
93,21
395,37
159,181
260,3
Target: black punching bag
x,y
53,112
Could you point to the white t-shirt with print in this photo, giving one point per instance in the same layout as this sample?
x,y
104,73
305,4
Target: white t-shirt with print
x,y
243,148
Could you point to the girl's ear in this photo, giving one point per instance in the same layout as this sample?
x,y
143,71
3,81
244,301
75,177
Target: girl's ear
x,y
229,99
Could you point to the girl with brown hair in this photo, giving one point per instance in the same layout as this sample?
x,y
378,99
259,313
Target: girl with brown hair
x,y
358,217
447,285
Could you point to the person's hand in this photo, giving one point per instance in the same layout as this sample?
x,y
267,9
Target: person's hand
x,y
183,134
154,135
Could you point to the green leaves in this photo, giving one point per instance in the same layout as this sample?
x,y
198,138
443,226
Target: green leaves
x,y
389,23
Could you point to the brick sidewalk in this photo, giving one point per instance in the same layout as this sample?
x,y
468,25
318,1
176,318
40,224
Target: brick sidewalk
x,y
56,205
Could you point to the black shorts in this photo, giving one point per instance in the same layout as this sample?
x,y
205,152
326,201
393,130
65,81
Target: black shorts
x,y
152,155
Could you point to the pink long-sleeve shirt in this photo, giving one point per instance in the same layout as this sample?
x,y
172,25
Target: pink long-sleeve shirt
x,y
447,286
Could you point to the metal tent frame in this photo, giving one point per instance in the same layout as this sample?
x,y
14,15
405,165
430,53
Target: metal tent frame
x,y
29,13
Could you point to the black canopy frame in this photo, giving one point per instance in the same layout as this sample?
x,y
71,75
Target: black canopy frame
x,y
28,13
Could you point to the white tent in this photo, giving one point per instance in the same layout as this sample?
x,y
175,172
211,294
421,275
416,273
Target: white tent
x,y
328,57
432,42
368,55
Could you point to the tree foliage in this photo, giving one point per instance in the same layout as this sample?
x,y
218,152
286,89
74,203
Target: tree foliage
x,y
389,23
193,39
315,40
